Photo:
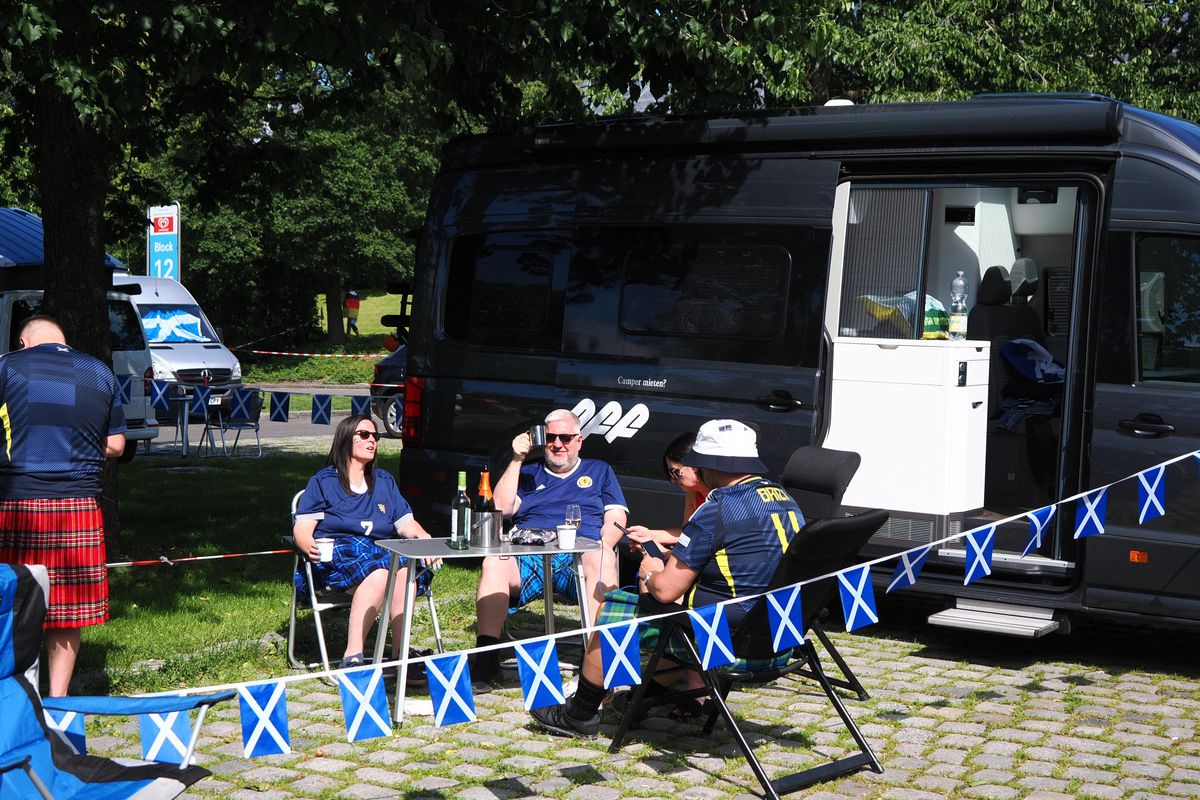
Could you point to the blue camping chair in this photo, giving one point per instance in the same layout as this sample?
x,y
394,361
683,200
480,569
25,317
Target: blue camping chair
x,y
37,761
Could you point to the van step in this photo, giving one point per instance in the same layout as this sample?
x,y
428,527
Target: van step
x,y
1004,618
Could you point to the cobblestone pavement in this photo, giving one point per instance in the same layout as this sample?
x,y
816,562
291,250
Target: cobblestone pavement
x,y
1101,713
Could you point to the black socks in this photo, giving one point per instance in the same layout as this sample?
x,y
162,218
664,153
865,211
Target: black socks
x,y
487,663
586,701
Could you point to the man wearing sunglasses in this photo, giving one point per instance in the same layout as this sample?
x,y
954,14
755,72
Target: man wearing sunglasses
x,y
536,495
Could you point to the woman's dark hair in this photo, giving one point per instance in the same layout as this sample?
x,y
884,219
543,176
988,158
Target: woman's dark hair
x,y
679,447
343,447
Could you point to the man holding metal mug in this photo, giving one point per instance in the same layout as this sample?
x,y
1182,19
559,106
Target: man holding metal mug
x,y
536,495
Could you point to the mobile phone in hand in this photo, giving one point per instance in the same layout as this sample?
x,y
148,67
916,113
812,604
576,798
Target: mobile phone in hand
x,y
649,546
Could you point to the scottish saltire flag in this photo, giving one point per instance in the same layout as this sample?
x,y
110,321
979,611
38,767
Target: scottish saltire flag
x,y
711,629
450,690
160,395
909,568
1151,494
980,544
68,726
321,408
786,615
621,655
360,405
200,395
365,704
1038,522
264,719
280,402
165,737
858,598
124,389
1090,511
242,404
541,682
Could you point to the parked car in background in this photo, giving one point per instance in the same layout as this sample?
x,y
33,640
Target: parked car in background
x,y
387,390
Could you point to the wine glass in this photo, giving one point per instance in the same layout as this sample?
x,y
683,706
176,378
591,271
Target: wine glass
x,y
574,516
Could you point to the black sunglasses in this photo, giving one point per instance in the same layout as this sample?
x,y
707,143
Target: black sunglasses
x,y
675,472
365,435
565,438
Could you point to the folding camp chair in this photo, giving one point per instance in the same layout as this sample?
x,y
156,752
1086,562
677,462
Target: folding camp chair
x,y
243,416
37,761
820,548
319,602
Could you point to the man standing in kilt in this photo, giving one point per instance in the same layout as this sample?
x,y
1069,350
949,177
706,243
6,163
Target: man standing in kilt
x,y
59,420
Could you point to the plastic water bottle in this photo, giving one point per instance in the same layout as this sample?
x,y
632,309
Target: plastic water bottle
x,y
958,307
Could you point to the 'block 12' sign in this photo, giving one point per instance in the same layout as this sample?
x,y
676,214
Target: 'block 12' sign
x,y
162,242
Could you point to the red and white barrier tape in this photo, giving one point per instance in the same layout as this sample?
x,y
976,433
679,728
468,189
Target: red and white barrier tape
x,y
309,355
268,336
172,561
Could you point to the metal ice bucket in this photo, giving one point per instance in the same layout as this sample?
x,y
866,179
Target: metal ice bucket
x,y
485,528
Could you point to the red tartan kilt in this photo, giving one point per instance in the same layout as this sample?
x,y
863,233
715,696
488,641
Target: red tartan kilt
x,y
67,536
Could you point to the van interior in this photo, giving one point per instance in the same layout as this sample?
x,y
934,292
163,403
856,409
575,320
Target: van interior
x,y
1016,245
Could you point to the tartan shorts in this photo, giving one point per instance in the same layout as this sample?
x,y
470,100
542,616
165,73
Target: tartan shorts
x,y
533,583
621,605
354,558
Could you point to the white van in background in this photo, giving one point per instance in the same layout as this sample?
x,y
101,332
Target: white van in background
x,y
130,355
185,348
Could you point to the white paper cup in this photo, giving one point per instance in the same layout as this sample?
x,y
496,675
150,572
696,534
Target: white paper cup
x,y
325,549
566,537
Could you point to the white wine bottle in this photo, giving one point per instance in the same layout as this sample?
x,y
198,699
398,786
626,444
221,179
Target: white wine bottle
x,y
460,516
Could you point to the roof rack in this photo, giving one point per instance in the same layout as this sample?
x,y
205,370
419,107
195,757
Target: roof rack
x,y
1044,96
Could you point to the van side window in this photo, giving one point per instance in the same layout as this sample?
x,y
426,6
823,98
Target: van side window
x,y
500,291
706,290
1168,307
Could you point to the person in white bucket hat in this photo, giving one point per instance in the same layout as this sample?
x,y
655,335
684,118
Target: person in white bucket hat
x,y
729,548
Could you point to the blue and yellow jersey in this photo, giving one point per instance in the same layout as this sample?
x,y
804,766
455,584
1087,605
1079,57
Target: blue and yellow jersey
x,y
377,514
736,539
57,408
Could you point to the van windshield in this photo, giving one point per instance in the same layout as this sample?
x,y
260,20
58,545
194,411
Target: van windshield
x,y
171,324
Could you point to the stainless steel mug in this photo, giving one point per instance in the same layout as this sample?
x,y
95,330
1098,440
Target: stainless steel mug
x,y
538,435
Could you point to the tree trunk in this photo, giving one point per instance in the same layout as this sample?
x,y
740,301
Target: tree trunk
x,y
73,170
333,308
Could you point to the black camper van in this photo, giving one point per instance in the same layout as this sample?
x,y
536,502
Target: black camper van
x,y
793,270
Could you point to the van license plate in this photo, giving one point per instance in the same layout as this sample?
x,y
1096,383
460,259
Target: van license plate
x,y
214,401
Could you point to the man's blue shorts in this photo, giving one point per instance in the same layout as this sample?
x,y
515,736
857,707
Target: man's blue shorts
x,y
533,585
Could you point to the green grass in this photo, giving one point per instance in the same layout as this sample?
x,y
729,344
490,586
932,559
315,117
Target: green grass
x,y
197,623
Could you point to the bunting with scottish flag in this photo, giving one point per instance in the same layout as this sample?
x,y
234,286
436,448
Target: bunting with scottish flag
x,y
280,402
160,395
450,690
321,409
1090,511
360,405
124,389
711,629
365,704
264,719
541,680
785,612
909,567
242,404
165,737
1151,494
858,598
200,397
1038,521
621,655
980,544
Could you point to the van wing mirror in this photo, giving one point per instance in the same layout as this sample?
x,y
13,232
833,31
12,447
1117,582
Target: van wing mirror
x,y
130,289
399,321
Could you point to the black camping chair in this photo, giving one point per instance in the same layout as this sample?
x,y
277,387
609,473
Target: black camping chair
x,y
820,548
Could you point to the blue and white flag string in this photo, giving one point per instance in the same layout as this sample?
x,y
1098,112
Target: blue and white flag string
x,y
264,701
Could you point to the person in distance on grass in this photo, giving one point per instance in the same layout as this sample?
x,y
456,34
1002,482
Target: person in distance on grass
x,y
729,548
355,504
536,496
60,420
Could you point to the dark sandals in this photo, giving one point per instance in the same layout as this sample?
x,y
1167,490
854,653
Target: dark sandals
x,y
687,709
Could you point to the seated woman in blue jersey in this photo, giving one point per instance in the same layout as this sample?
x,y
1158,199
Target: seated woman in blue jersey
x,y
355,504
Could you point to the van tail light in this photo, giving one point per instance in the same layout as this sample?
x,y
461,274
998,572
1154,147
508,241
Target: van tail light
x,y
147,377
410,427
